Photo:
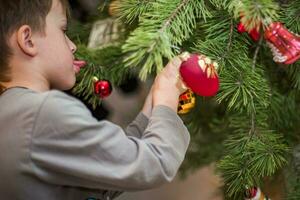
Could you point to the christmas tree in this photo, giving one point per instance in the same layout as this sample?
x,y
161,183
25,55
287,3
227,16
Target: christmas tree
x,y
251,127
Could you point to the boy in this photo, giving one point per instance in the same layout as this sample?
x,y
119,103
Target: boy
x,y
51,146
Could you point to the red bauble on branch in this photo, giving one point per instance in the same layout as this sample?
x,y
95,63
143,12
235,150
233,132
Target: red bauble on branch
x,y
241,28
285,45
199,74
254,33
102,88
255,193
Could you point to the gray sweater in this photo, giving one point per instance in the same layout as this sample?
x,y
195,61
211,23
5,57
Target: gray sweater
x,y
52,148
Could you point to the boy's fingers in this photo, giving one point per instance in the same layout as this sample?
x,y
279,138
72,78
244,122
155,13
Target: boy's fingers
x,y
176,61
184,56
172,68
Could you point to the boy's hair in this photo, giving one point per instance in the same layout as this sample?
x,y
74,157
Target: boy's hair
x,y
14,14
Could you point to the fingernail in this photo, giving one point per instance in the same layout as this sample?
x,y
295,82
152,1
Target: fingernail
x,y
184,56
177,61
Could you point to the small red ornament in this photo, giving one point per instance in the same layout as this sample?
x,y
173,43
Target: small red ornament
x,y
199,73
255,193
102,88
241,28
285,45
254,33
251,193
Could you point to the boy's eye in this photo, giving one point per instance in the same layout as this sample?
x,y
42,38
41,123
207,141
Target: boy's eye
x,y
64,29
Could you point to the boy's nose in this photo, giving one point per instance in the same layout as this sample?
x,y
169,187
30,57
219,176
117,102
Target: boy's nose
x,y
72,45
73,48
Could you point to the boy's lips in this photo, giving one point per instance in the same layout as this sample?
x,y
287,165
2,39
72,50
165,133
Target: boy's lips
x,y
77,64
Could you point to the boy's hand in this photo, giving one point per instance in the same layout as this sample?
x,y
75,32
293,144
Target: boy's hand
x,y
168,85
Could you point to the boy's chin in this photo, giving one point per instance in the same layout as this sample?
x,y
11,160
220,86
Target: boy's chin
x,y
65,86
69,87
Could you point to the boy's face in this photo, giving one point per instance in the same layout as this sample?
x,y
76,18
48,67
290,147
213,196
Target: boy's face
x,y
56,50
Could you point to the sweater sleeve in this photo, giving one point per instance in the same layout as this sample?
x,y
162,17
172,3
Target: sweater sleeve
x,y
137,127
69,147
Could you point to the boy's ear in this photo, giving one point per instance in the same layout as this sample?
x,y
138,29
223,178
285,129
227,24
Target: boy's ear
x,y
25,40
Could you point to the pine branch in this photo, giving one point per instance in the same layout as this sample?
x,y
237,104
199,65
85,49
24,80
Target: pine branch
x,y
103,65
239,85
294,176
256,52
290,15
160,34
249,159
221,4
131,10
255,12
294,74
246,162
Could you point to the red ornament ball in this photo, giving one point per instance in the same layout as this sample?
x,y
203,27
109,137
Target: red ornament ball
x,y
251,193
241,28
102,88
199,73
254,33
